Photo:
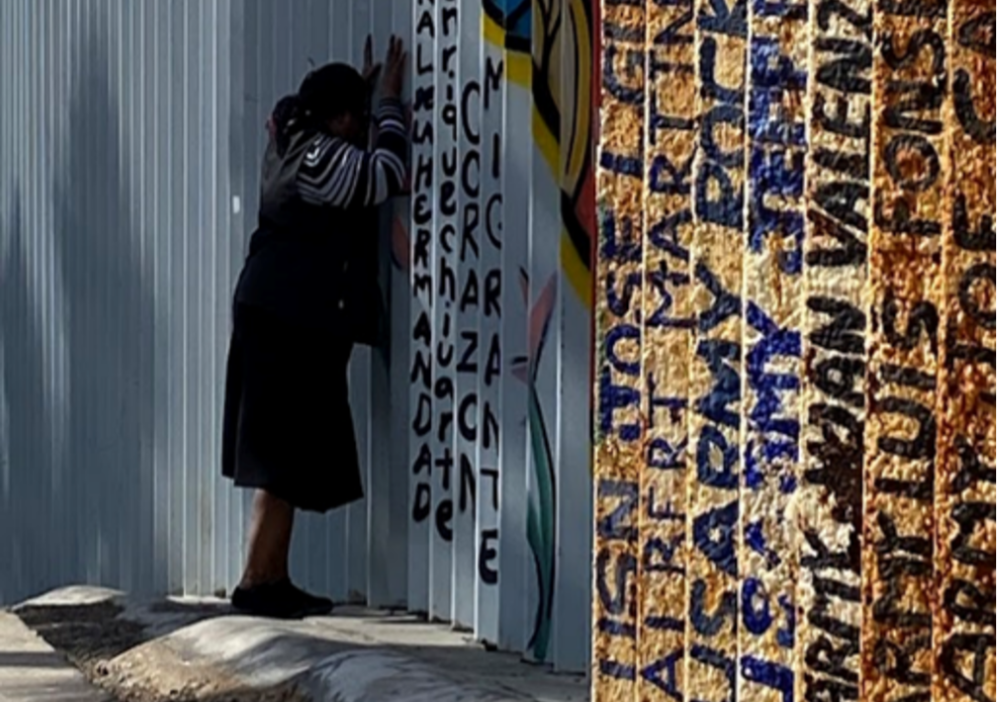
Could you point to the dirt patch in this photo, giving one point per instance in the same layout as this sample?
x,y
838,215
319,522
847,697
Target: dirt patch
x,y
88,635
94,637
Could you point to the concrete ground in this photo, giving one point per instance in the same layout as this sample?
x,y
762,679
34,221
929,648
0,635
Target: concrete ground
x,y
32,671
185,650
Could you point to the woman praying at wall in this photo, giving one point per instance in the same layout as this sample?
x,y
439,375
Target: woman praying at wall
x,y
307,294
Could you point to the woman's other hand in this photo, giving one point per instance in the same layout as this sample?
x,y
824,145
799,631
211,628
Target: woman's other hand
x,y
371,69
395,64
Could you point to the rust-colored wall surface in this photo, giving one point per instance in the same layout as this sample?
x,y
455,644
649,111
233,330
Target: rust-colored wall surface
x,y
795,474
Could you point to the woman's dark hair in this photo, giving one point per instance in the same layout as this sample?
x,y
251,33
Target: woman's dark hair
x,y
326,93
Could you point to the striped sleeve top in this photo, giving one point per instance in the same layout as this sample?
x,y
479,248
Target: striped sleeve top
x,y
336,173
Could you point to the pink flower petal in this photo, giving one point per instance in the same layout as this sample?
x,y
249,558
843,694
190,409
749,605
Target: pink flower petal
x,y
541,315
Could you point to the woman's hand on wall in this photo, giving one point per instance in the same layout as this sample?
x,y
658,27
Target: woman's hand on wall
x,y
370,70
395,64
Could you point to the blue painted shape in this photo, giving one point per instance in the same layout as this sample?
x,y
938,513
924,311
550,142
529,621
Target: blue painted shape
x,y
769,674
716,659
615,627
711,89
774,342
621,601
673,404
786,634
612,398
789,483
620,333
620,523
658,555
781,8
727,208
661,318
713,442
710,624
725,304
669,178
715,536
662,455
722,115
720,17
662,673
662,514
515,18
664,623
771,74
755,540
619,671
755,607
665,235
722,358
753,474
620,247
771,177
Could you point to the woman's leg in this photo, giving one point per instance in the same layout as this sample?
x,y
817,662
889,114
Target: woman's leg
x,y
270,540
266,589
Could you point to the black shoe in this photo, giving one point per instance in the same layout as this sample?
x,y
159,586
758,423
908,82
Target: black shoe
x,y
311,605
279,600
270,600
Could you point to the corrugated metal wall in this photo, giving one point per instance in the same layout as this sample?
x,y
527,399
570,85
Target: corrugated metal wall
x,y
130,135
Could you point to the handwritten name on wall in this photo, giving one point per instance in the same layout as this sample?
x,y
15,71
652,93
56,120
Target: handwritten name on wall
x,y
455,341
488,147
715,382
671,138
834,328
422,269
772,285
964,637
909,202
619,316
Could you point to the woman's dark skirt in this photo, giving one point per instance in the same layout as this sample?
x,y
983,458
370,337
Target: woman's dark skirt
x,y
288,428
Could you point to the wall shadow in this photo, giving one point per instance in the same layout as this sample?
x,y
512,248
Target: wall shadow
x,y
27,499
113,409
81,506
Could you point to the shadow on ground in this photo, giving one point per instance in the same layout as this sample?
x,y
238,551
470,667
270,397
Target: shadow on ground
x,y
196,651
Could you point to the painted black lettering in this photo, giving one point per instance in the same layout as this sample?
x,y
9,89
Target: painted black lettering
x,y
844,333
848,72
955,663
970,518
840,457
981,275
852,251
828,9
981,238
969,603
923,318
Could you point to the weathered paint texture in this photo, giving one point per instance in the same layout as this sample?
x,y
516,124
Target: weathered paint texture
x,y
965,495
693,329
909,210
834,324
796,426
131,139
668,229
618,358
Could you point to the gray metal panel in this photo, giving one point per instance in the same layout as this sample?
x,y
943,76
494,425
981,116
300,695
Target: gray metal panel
x,y
130,137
